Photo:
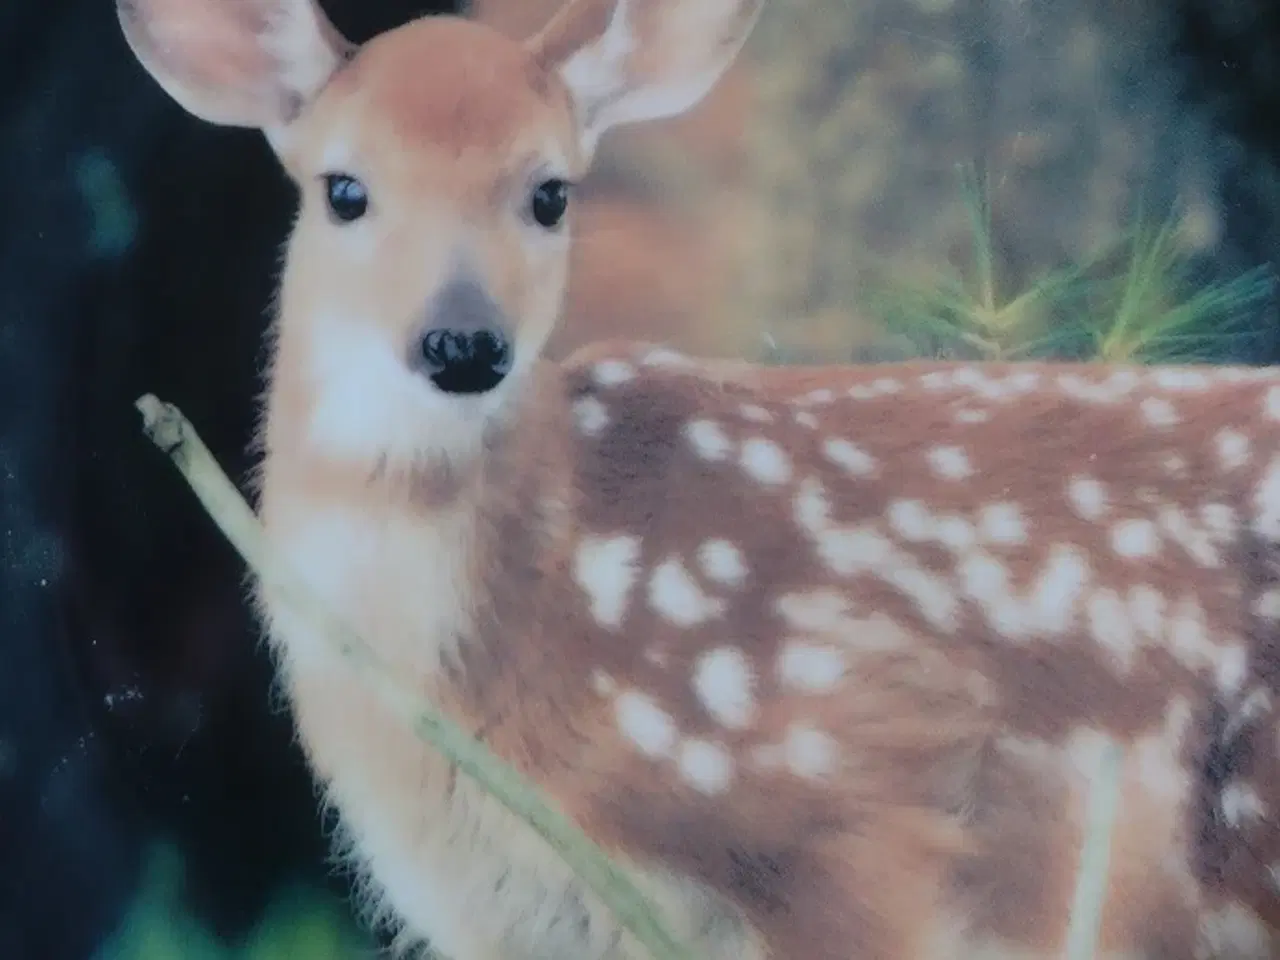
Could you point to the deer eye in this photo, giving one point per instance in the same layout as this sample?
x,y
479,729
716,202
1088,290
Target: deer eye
x,y
548,203
346,197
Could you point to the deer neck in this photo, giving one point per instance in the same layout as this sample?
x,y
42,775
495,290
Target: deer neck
x,y
428,560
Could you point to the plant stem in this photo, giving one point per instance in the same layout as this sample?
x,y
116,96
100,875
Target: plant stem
x,y
1085,924
168,429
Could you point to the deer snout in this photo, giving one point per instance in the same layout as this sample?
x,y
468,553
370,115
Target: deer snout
x,y
465,348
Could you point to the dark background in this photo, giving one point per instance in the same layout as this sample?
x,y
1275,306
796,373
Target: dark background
x,y
137,253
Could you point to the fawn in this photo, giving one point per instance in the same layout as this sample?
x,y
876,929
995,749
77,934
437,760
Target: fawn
x,y
826,655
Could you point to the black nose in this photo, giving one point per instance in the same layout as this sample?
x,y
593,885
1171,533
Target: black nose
x,y
466,361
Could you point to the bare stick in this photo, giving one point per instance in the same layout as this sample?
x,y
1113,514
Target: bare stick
x,y
1085,925
173,433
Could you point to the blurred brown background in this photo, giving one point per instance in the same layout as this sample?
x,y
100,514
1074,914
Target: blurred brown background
x,y
829,157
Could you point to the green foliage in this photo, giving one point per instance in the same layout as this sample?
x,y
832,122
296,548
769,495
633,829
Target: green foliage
x,y
1135,300
301,923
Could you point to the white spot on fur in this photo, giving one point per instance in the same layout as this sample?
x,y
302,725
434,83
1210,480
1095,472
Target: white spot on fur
x,y
1146,606
809,753
911,520
606,569
806,419
1232,447
848,551
886,385
1179,378
1056,592
933,598
765,461
1220,521
1267,605
950,463
956,533
1188,634
814,611
666,358
1196,541
708,440
816,398
1158,412
725,685
1111,626
706,766
1231,667
1242,805
1271,404
1087,497
970,415
675,595
722,562
603,684
829,614
1252,707
849,456
811,667
1111,390
1233,931
1002,523
611,373
1158,757
756,414
812,511
1266,498
649,728
1135,538
591,416
1048,608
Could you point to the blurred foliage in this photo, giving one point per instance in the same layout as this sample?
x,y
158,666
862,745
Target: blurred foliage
x,y
1135,299
113,217
301,924
1084,121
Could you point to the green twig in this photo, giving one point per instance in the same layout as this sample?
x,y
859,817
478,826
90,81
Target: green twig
x,y
173,433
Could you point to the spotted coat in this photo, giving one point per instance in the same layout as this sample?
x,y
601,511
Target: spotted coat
x,y
855,638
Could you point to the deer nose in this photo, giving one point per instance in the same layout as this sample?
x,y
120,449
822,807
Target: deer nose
x,y
466,361
464,349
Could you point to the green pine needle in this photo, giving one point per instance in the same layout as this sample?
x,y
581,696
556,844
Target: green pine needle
x,y
1134,300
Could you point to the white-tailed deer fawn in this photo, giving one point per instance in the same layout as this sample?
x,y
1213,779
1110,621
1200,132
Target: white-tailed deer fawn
x,y
826,654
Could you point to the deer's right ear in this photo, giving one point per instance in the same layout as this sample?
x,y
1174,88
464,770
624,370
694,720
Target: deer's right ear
x,y
242,63
626,61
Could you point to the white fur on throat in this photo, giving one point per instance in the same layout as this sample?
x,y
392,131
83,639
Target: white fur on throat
x,y
370,405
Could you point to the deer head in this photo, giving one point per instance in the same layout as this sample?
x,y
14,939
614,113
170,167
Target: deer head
x,y
436,167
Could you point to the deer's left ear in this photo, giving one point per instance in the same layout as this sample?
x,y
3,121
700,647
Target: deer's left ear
x,y
626,61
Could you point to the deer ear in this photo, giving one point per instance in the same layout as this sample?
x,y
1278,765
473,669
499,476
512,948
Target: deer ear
x,y
242,63
631,60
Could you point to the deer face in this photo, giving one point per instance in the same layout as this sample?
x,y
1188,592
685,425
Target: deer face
x,y
435,167
429,259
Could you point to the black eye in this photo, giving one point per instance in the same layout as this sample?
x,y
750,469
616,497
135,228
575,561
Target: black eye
x,y
550,198
346,197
